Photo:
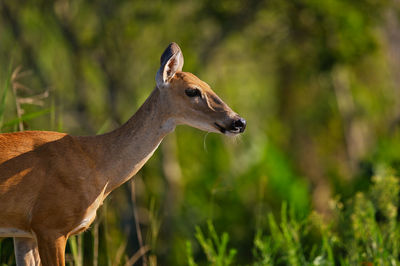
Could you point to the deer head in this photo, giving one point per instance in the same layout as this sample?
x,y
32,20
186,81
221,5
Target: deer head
x,y
190,100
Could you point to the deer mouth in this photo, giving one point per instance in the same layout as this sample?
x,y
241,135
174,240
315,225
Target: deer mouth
x,y
220,128
237,126
223,130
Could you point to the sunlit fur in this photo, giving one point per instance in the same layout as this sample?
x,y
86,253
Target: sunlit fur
x,y
51,184
200,112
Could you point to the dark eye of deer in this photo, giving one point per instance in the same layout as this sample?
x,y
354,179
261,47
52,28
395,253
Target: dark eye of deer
x,y
193,92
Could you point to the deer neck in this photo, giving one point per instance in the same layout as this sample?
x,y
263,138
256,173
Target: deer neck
x,y
125,150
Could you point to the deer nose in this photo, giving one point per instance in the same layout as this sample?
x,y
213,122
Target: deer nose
x,y
239,124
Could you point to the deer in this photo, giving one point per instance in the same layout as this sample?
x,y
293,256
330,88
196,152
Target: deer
x,y
51,183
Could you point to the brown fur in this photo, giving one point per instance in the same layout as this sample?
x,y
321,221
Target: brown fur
x,y
50,182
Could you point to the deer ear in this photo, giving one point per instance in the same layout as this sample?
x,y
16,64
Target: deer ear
x,y
171,61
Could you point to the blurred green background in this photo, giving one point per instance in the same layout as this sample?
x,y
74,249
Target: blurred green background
x,y
317,81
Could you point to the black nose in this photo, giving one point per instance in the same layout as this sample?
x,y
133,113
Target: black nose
x,y
239,124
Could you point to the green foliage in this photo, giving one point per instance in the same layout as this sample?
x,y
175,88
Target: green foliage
x,y
213,246
365,231
3,94
317,82
26,117
374,223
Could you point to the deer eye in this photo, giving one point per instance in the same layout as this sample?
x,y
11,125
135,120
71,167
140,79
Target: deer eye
x,y
193,92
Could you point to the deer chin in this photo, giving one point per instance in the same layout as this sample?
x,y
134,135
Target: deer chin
x,y
220,128
199,125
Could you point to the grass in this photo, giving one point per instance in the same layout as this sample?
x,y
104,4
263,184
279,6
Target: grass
x,y
3,94
364,230
214,247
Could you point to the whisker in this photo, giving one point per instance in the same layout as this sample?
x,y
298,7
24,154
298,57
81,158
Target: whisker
x,y
204,141
237,138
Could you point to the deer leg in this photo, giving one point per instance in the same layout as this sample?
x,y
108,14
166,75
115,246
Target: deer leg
x,y
51,248
26,252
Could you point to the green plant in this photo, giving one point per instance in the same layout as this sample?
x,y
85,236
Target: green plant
x,y
3,94
364,230
374,228
214,247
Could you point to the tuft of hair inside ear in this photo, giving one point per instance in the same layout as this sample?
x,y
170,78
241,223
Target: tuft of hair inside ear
x,y
172,63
